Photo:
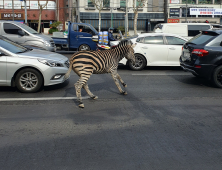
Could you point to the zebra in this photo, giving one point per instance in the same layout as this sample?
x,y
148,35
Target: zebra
x,y
86,63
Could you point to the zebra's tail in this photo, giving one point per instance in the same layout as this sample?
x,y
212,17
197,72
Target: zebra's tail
x,y
68,72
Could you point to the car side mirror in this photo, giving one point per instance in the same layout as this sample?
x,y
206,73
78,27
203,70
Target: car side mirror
x,y
21,32
221,43
2,54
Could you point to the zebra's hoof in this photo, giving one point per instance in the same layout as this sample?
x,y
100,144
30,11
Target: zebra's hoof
x,y
94,97
124,93
124,85
81,105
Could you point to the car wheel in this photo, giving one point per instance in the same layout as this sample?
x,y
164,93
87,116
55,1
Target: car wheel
x,y
217,77
84,47
28,80
139,64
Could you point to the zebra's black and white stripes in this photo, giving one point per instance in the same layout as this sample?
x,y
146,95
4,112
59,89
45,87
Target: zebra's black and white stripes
x,y
86,63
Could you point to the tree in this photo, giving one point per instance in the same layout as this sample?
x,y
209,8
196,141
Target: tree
x,y
100,4
136,5
40,13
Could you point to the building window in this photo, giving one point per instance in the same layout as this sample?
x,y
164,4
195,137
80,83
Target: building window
x,y
106,3
189,1
90,4
218,1
122,3
205,2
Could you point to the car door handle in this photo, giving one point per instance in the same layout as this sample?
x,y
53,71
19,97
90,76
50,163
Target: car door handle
x,y
145,47
172,48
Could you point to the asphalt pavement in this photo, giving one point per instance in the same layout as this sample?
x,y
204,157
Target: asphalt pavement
x,y
169,120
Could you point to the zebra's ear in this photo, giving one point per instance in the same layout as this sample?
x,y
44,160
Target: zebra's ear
x,y
134,45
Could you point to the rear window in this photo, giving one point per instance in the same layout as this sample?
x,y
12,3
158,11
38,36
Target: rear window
x,y
159,26
203,38
193,30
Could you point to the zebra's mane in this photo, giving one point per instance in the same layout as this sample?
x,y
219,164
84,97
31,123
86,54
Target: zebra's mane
x,y
124,43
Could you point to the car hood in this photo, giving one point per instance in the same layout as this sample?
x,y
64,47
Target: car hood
x,y
42,36
42,54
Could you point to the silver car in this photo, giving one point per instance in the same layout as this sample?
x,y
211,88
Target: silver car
x,y
24,35
30,69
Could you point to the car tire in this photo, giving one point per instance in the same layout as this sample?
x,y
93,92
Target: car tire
x,y
217,77
140,63
28,80
84,47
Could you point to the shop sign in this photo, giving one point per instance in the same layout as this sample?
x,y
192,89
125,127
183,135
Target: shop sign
x,y
10,16
173,20
205,11
32,4
174,12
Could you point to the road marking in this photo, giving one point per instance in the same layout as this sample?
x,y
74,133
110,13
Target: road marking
x,y
40,98
161,74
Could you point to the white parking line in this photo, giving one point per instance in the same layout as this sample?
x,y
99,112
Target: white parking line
x,y
41,98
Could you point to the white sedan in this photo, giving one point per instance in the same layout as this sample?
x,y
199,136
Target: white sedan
x,y
156,49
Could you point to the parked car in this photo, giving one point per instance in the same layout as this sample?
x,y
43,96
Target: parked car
x,y
216,26
30,69
24,35
202,56
156,49
77,40
186,30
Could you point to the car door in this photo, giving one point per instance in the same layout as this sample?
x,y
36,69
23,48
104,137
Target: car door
x,y
11,32
3,62
73,36
174,44
85,37
155,50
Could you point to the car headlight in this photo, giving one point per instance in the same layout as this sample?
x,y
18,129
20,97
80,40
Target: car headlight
x,y
47,43
51,63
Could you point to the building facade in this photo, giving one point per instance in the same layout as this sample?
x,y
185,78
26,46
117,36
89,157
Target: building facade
x,y
55,10
114,13
179,11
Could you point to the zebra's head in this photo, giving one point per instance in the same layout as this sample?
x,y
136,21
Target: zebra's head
x,y
129,51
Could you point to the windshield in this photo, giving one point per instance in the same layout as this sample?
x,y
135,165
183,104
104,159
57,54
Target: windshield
x,y
131,37
28,29
159,26
93,29
201,39
11,46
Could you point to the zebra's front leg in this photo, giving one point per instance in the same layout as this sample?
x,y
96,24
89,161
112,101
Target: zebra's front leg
x,y
115,75
86,87
121,80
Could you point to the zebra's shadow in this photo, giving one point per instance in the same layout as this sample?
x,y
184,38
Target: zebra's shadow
x,y
106,83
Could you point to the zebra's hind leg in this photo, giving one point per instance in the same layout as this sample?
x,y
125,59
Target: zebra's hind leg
x,y
115,78
78,87
86,87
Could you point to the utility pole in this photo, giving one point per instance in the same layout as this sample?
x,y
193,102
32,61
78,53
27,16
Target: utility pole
x,y
165,11
126,19
13,10
25,12
112,17
186,11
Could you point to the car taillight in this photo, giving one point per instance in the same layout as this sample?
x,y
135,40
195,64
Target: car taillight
x,y
200,52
